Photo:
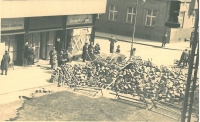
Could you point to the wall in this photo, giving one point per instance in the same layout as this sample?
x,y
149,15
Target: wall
x,y
122,28
180,34
32,8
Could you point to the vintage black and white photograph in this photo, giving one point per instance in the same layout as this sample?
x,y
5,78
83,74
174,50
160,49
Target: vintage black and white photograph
x,y
99,60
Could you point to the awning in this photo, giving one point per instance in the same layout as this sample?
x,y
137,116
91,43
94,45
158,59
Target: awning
x,y
14,33
79,27
35,31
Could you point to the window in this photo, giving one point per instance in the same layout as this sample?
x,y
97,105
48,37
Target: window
x,y
130,18
98,16
181,18
112,13
151,18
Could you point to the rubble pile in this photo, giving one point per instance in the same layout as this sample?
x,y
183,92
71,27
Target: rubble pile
x,y
135,77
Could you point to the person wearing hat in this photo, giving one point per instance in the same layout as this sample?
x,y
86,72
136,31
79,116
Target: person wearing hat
x,y
31,55
112,44
5,62
184,58
52,55
85,52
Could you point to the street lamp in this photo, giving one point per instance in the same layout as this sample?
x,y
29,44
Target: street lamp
x,y
133,37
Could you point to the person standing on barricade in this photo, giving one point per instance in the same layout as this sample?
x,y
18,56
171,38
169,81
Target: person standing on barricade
x,y
52,53
184,58
4,62
85,52
112,44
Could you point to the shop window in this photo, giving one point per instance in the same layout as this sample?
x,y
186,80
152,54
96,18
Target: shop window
x,y
130,18
151,18
112,13
181,18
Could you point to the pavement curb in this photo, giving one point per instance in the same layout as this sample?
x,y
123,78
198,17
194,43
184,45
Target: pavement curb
x,y
138,43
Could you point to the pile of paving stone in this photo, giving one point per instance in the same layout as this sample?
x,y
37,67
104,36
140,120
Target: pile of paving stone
x,y
135,77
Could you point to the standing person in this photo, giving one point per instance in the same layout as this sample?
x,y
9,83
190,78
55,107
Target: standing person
x,y
91,51
54,62
26,51
112,44
31,55
164,39
4,62
69,56
60,58
191,38
52,53
97,49
184,58
85,52
118,49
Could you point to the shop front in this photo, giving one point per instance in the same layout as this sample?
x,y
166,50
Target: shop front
x,y
78,31
12,31
43,33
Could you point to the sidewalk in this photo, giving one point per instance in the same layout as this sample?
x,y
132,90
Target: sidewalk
x,y
173,46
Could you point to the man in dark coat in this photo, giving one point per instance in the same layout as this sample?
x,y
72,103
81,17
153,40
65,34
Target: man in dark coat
x,y
164,40
191,38
112,44
85,52
184,58
4,62
31,55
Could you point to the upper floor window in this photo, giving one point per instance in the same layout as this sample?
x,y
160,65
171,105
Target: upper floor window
x,y
98,16
181,18
112,13
130,18
151,18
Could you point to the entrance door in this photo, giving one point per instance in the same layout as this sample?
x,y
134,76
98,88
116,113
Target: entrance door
x,y
36,43
20,47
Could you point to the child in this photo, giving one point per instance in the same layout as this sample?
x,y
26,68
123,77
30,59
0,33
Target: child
x,y
118,49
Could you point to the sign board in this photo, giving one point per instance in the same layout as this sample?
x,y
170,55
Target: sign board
x,y
12,24
79,19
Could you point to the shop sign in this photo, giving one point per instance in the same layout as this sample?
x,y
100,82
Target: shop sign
x,y
12,24
79,19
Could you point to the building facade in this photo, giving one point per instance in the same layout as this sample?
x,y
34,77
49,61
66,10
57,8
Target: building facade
x,y
151,16
43,31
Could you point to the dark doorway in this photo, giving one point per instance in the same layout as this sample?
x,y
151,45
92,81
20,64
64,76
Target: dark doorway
x,y
20,47
58,43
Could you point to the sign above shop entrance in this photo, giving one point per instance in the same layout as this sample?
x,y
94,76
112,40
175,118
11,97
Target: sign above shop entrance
x,y
12,24
79,19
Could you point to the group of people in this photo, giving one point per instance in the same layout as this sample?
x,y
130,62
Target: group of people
x,y
29,54
89,51
57,59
